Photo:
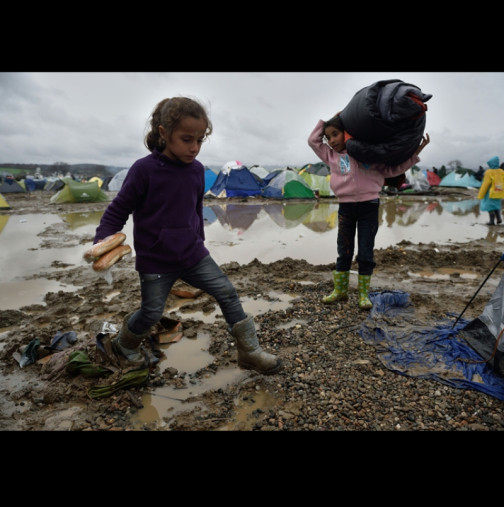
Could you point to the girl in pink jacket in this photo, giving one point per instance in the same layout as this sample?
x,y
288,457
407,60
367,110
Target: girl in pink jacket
x,y
357,187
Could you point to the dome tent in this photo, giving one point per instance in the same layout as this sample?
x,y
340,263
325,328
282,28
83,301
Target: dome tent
x,y
73,191
236,182
286,184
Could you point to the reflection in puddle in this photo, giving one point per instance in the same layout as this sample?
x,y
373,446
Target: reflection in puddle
x,y
444,274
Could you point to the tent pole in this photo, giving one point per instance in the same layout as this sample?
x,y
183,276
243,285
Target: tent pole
x,y
476,293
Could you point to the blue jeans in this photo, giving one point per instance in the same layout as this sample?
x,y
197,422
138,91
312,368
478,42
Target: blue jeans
x,y
363,217
206,275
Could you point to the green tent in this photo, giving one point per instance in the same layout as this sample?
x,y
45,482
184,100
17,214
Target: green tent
x,y
74,191
317,182
286,184
3,203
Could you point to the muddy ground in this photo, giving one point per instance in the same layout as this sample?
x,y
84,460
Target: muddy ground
x,y
44,396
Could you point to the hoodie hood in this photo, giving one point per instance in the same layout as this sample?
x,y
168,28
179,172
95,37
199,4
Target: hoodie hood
x,y
493,163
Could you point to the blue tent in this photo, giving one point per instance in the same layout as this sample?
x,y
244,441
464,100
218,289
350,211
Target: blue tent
x,y
210,177
35,183
236,183
455,179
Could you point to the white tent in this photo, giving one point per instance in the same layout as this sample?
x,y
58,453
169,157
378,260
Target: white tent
x,y
116,182
259,171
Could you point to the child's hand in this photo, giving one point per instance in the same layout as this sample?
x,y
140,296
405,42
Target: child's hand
x,y
423,144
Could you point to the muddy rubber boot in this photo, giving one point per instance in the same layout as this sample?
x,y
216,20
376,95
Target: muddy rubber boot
x,y
364,301
340,292
127,346
492,218
498,216
251,356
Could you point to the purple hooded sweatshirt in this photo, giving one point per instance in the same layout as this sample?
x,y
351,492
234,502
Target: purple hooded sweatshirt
x,y
166,200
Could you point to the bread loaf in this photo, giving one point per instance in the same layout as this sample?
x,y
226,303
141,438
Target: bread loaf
x,y
109,258
102,247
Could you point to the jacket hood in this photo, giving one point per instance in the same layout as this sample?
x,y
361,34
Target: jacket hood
x,y
493,163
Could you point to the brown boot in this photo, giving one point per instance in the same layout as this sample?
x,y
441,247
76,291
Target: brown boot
x,y
251,356
127,346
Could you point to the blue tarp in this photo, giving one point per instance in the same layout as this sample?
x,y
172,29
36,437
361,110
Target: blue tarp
x,y
430,351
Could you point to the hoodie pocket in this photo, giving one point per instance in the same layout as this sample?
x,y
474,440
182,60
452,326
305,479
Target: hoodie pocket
x,y
175,244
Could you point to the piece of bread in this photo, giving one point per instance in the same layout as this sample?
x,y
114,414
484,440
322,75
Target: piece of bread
x,y
102,247
109,258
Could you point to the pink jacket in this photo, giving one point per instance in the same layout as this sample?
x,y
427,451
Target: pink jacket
x,y
353,181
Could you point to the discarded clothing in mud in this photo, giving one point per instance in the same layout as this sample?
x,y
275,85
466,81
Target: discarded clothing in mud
x,y
30,353
429,350
130,379
79,363
62,340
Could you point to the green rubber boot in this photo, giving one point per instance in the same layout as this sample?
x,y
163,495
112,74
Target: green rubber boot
x,y
340,292
364,302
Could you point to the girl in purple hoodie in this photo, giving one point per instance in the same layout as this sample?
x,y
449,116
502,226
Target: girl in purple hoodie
x,y
357,187
164,193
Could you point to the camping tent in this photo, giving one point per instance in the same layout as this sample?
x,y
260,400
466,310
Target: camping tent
x,y
3,221
286,184
116,182
455,179
97,179
73,191
53,185
318,182
260,171
10,185
319,168
237,182
231,164
32,184
484,333
417,178
3,203
210,177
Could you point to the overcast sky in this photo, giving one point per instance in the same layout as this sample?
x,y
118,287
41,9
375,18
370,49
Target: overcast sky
x,y
258,118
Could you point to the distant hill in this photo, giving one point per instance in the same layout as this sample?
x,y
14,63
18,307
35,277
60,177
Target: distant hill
x,y
77,170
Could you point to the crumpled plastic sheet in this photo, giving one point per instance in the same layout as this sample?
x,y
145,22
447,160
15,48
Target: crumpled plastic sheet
x,y
429,350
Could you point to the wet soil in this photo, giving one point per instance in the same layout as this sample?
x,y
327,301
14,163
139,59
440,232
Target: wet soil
x,y
331,380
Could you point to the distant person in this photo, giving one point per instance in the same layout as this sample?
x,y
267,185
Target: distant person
x,y
164,193
480,173
491,191
357,187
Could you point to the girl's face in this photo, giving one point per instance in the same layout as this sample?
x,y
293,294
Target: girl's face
x,y
335,138
184,144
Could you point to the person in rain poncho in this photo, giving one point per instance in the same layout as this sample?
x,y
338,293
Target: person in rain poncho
x,y
491,191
